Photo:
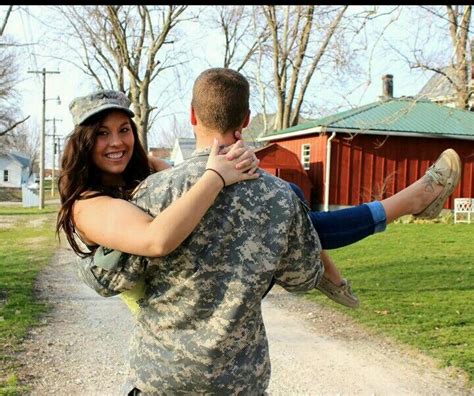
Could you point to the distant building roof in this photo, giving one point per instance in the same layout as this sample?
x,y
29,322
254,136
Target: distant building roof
x,y
438,86
21,158
187,145
397,116
182,150
256,127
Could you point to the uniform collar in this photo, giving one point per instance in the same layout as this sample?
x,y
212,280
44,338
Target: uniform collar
x,y
205,151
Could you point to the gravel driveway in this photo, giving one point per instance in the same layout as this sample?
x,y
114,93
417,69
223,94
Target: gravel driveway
x,y
81,347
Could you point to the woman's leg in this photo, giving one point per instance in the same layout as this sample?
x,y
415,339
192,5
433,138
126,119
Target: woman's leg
x,y
424,198
346,226
333,284
330,270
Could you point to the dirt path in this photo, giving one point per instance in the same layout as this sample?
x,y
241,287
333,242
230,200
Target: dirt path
x,y
80,349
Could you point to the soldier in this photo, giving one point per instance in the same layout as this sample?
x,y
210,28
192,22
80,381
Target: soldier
x,y
199,328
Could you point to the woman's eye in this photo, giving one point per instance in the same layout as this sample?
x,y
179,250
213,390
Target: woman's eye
x,y
101,133
125,130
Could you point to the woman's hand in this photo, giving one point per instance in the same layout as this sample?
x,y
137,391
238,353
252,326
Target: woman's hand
x,y
235,163
250,153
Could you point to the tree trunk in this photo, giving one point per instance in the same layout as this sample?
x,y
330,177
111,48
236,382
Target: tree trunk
x,y
459,37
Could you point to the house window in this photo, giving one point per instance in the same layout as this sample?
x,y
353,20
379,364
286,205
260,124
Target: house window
x,y
5,175
305,154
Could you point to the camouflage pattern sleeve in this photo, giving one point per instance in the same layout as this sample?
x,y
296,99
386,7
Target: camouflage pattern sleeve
x,y
300,268
110,272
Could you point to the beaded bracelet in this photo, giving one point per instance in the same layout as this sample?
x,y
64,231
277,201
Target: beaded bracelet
x,y
218,174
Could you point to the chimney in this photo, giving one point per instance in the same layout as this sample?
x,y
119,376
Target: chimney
x,y
387,86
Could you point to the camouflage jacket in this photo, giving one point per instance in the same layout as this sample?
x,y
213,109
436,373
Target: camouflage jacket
x,y
200,327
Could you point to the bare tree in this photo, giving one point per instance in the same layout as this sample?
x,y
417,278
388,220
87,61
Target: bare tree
x,y
179,128
8,79
284,47
260,54
294,57
8,95
126,48
11,127
24,139
241,39
458,70
459,22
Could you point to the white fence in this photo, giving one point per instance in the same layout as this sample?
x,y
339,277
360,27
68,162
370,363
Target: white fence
x,y
463,210
30,197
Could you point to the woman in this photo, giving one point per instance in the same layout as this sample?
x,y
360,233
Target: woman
x,y
91,201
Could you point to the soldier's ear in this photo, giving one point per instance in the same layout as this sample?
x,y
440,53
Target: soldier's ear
x,y
193,117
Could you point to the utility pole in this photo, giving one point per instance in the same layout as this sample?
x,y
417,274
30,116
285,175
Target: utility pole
x,y
54,119
58,150
43,133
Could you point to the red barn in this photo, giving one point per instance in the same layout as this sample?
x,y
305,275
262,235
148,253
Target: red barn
x,y
376,150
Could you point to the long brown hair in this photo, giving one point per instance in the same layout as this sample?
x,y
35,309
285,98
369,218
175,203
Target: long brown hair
x,y
80,175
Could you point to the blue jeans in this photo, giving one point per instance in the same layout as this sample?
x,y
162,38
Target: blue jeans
x,y
345,226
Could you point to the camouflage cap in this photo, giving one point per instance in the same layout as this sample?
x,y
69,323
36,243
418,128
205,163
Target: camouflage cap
x,y
84,107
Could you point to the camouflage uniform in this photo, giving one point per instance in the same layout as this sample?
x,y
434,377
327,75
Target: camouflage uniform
x,y
200,327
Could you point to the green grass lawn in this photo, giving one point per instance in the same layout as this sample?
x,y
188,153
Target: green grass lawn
x,y
416,284
27,242
19,210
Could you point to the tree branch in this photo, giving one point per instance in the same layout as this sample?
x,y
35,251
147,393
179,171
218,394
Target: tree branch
x,y
5,20
5,131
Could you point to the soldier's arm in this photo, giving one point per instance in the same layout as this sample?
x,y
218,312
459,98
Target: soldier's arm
x,y
300,268
111,272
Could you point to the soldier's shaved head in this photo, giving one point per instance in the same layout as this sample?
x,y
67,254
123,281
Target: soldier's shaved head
x,y
221,99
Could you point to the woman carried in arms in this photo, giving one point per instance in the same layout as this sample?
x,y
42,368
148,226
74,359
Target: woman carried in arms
x,y
103,162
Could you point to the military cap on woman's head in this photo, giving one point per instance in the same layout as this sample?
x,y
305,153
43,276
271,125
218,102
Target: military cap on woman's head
x,y
86,106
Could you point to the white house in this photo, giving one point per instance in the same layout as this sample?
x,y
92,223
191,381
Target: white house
x,y
182,150
14,169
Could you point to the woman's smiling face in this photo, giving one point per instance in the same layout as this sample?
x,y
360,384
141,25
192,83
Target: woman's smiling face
x,y
113,146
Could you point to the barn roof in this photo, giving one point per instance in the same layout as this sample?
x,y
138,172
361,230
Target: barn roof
x,y
397,116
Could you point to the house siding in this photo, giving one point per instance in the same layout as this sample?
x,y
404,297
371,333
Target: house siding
x,y
389,165
283,163
317,169
369,167
14,172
